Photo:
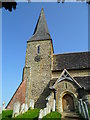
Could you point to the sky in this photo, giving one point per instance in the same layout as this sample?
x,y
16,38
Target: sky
x,y
68,27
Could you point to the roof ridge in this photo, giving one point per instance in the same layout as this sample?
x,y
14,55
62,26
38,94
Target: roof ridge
x,y
72,53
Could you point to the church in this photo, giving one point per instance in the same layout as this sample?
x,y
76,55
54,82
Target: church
x,y
63,77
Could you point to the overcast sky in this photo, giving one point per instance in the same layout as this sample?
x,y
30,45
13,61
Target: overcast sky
x,y
68,26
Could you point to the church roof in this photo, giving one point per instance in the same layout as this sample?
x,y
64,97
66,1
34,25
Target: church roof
x,y
69,61
41,30
52,82
84,81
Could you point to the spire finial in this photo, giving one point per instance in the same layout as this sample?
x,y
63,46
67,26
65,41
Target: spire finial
x,y
42,9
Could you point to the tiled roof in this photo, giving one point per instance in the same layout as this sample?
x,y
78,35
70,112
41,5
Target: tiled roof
x,y
69,61
84,81
52,82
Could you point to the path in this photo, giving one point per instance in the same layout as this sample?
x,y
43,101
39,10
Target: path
x,y
70,116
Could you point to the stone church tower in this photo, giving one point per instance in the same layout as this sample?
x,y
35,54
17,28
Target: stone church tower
x,y
38,62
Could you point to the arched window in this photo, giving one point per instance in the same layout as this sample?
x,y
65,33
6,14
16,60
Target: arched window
x,y
38,49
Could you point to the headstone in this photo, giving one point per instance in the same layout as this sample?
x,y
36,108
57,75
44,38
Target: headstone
x,y
54,104
45,111
26,107
22,108
48,98
41,114
47,104
31,105
16,109
3,106
48,109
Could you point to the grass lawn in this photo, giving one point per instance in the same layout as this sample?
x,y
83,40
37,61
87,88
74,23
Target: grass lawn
x,y
33,114
7,114
30,114
0,116
54,115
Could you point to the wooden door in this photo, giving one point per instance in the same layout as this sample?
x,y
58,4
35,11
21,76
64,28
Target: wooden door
x,y
68,103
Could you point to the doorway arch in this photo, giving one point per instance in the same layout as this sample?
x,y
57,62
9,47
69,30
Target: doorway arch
x,y
67,103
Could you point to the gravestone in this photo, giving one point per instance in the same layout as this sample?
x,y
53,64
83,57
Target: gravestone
x,y
22,108
26,107
31,105
48,108
45,111
40,114
16,109
3,106
53,109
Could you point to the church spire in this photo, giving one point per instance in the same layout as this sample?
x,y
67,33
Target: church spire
x,y
41,30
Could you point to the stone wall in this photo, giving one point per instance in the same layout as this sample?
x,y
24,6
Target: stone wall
x,y
19,95
27,76
73,73
61,90
40,71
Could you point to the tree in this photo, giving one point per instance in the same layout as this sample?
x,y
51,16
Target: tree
x,y
8,5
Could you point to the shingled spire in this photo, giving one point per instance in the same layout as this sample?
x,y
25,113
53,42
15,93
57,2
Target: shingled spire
x,y
41,30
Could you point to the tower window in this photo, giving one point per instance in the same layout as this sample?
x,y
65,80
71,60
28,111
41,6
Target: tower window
x,y
38,49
